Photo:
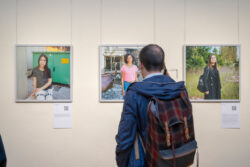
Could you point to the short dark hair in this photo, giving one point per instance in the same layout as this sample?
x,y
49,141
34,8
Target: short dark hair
x,y
126,57
152,57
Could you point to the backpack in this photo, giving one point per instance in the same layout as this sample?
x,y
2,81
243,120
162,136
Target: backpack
x,y
170,138
201,84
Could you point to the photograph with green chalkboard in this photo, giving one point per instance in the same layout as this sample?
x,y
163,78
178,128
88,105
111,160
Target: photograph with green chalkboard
x,y
212,72
43,73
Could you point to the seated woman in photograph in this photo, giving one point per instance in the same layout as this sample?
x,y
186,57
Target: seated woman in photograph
x,y
128,72
42,80
212,79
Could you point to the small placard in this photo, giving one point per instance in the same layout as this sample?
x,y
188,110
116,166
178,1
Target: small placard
x,y
230,115
62,115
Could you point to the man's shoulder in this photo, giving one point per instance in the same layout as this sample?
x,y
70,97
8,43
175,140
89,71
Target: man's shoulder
x,y
135,85
133,88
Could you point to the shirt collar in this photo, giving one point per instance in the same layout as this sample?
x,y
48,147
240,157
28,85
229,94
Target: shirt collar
x,y
152,75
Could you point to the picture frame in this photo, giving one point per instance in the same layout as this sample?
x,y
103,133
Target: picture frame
x,y
43,79
111,60
227,65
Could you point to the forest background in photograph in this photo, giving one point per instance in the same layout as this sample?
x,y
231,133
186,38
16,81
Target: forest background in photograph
x,y
228,66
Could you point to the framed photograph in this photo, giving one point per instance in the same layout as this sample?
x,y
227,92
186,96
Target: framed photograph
x,y
43,73
119,67
212,72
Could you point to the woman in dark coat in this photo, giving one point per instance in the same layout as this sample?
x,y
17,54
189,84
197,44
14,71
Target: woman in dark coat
x,y
212,79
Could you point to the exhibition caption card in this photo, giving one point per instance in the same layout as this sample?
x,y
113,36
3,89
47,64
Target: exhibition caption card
x,y
230,115
62,115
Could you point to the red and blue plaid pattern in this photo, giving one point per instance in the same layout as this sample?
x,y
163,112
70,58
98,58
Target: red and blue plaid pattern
x,y
171,112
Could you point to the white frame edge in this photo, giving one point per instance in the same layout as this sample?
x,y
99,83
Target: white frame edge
x,y
71,76
111,45
213,101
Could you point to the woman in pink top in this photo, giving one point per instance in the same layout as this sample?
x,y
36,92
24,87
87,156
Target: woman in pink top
x,y
128,72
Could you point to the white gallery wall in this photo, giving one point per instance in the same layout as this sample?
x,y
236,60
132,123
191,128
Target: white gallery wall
x,y
27,128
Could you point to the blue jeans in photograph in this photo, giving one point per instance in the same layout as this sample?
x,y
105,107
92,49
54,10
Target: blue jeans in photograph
x,y
125,86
